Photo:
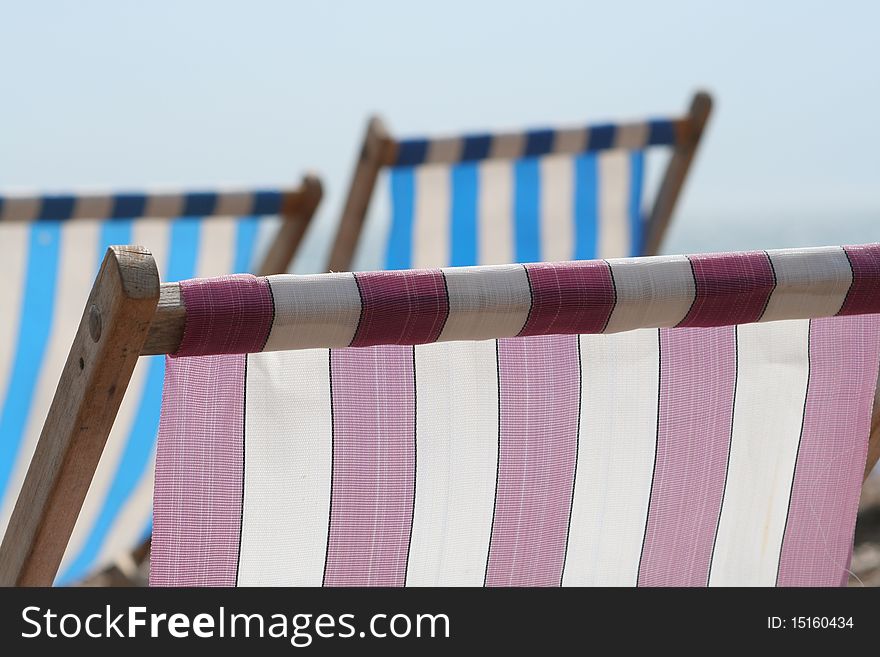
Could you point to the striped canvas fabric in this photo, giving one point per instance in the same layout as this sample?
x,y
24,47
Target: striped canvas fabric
x,y
51,249
540,195
675,420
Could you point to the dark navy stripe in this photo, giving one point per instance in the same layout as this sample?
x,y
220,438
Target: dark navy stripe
x,y
636,221
661,132
185,239
476,147
586,204
399,253
601,137
128,206
56,208
198,204
526,210
267,202
411,152
34,327
464,238
245,241
539,142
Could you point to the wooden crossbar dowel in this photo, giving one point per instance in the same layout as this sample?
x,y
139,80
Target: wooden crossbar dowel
x,y
114,325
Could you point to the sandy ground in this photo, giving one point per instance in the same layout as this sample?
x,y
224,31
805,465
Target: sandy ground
x,y
866,553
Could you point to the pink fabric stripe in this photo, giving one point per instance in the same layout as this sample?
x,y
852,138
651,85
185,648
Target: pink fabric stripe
x,y
373,483
226,315
539,390
697,382
844,355
730,288
401,307
572,297
197,498
864,293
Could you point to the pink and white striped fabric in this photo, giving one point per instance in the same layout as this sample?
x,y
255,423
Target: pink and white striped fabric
x,y
684,421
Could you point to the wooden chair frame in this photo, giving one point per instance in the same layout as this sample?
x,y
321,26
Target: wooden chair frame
x,y
128,314
298,206
379,150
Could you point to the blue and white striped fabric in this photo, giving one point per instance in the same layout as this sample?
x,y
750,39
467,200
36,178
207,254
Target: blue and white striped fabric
x,y
539,195
50,248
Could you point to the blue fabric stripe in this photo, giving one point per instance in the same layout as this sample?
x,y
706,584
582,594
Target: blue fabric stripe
x,y
661,132
399,254
476,147
245,240
636,222
128,206
185,240
1,206
539,142
35,322
464,237
199,204
113,233
526,210
602,137
267,202
56,208
411,152
586,207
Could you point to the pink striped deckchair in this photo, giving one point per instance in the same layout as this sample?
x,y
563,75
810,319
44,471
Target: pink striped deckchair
x,y
674,420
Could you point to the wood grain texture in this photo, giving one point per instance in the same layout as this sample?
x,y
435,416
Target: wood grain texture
x,y
689,134
99,366
378,150
296,214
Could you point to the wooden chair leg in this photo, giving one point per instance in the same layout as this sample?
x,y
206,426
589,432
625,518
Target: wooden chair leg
x,y
295,218
378,150
99,366
676,172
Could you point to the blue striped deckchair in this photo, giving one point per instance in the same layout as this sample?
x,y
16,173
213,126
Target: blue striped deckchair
x,y
51,247
537,195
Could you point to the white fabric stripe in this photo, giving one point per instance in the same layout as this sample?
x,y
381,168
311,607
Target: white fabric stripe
x,y
493,305
618,432
164,205
495,213
216,254
507,146
614,230
631,136
446,150
288,456
156,234
98,206
646,299
76,271
809,282
570,141
13,266
430,240
557,208
317,310
457,458
21,208
234,204
771,387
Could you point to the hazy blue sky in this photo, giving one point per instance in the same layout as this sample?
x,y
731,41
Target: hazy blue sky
x,y
132,94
